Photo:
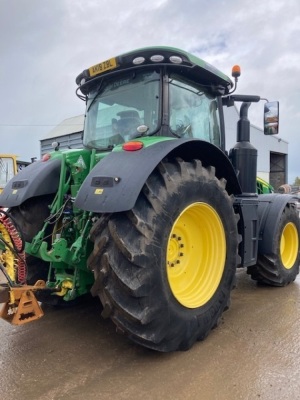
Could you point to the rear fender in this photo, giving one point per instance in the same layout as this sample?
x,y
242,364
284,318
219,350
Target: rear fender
x,y
270,208
114,183
37,179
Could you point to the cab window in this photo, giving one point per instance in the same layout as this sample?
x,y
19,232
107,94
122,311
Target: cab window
x,y
193,112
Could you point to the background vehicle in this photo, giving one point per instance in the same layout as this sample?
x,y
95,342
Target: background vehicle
x,y
9,166
263,187
152,215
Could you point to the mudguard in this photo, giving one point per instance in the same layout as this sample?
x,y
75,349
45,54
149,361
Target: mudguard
x,y
270,208
114,183
37,179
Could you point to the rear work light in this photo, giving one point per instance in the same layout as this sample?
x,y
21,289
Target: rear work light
x,y
133,146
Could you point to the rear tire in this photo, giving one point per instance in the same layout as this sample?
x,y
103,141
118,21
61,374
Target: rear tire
x,y
281,266
165,269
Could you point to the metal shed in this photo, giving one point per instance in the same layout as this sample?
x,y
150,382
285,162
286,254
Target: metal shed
x,y
68,133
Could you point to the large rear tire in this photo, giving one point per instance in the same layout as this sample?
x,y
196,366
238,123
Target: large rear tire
x,y
281,266
165,269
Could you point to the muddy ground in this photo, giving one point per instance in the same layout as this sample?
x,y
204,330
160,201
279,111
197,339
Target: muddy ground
x,y
74,354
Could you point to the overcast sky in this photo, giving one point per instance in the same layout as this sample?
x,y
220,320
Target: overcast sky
x,y
46,44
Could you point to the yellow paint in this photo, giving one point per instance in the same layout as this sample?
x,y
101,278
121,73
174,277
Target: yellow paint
x,y
65,287
289,245
196,255
7,256
8,168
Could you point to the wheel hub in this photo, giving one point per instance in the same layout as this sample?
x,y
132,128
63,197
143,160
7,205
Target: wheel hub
x,y
196,255
289,245
175,250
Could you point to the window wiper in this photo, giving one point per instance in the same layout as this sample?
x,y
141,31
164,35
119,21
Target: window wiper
x,y
96,96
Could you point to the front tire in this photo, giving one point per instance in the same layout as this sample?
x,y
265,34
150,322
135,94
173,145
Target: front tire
x,y
281,266
29,218
165,269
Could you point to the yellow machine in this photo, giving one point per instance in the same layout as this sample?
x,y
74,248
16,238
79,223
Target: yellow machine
x,y
9,166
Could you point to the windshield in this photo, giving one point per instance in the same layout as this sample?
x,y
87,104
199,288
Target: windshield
x,y
193,111
119,106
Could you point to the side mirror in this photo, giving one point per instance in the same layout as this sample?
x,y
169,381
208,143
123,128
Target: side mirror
x,y
271,118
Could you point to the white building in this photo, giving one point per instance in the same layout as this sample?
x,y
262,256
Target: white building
x,y
272,160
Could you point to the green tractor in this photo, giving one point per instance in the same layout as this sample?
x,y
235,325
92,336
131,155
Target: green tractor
x,y
153,216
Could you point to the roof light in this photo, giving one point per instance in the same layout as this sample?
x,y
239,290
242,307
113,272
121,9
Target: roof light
x,y
133,146
236,71
55,145
175,59
157,58
142,128
138,60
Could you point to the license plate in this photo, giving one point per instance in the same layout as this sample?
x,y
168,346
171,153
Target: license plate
x,y
103,67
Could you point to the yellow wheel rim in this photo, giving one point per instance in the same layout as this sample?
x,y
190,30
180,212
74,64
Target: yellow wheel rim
x,y
196,255
289,245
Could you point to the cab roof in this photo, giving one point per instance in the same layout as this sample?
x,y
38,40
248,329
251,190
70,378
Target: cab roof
x,y
176,59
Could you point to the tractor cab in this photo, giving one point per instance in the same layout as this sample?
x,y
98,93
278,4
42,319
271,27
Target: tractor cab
x,y
162,92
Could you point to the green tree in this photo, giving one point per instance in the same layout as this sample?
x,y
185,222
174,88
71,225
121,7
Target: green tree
x,y
297,181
